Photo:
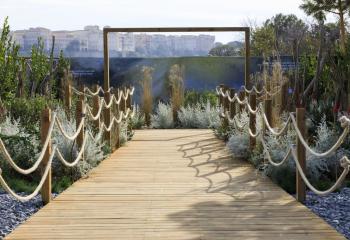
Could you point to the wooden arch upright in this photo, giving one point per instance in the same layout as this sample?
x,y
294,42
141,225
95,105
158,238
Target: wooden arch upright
x,y
246,30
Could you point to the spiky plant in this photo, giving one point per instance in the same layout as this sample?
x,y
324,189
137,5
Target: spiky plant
x,y
147,99
176,81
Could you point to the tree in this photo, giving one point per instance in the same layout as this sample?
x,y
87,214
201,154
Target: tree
x,y
263,41
9,63
319,8
288,30
223,50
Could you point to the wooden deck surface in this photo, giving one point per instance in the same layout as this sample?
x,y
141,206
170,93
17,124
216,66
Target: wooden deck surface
x,y
174,184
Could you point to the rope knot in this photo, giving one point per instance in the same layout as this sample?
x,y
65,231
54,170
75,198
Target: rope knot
x,y
345,162
344,121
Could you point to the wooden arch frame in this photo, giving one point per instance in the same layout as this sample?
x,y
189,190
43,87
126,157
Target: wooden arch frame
x,y
246,30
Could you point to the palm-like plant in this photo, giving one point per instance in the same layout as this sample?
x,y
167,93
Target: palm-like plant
x,y
319,8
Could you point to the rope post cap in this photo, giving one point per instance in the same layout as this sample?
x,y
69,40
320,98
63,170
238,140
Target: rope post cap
x,y
344,121
344,162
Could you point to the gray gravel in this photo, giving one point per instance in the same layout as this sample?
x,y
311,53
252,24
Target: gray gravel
x,y
13,213
333,208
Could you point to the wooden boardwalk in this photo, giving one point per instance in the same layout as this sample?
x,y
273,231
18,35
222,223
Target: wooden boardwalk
x,y
174,184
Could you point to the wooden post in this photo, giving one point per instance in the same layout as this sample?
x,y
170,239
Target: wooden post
x,y
284,97
129,100
226,106
122,102
107,118
241,97
106,84
247,82
268,112
301,153
117,128
80,115
45,125
68,96
232,104
221,99
252,119
96,106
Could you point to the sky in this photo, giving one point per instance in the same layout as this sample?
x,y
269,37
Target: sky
x,y
75,14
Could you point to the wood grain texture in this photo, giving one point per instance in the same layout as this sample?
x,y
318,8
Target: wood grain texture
x,y
174,184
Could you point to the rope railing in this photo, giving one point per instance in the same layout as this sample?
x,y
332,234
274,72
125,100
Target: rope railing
x,y
115,119
291,151
90,93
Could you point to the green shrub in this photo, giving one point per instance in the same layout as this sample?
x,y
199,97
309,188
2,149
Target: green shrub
x,y
194,97
23,147
28,111
137,121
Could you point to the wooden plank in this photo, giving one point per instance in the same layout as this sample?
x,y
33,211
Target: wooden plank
x,y
179,29
174,184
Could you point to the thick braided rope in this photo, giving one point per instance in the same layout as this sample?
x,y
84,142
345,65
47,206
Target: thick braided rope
x,y
98,114
9,159
268,155
345,163
37,189
252,134
253,89
276,133
78,158
117,101
118,120
65,134
345,123
128,93
250,109
79,93
88,92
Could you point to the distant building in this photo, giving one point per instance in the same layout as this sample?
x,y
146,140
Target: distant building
x,y
89,43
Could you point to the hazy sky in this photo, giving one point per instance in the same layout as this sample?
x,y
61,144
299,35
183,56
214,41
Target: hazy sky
x,y
75,14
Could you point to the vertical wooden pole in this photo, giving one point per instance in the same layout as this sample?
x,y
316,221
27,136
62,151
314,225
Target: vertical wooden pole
x,y
284,97
80,115
129,100
232,104
226,106
247,82
96,106
268,113
241,97
68,96
117,127
106,84
252,119
122,102
45,125
301,153
107,118
221,99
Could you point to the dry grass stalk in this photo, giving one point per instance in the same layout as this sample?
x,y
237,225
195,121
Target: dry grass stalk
x,y
176,81
147,99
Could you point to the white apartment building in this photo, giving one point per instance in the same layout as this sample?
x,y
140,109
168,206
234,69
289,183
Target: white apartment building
x,y
91,40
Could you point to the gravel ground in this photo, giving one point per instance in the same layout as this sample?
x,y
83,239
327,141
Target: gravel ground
x,y
333,208
13,213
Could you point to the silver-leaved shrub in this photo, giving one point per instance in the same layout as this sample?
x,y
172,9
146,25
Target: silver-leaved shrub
x,y
163,118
